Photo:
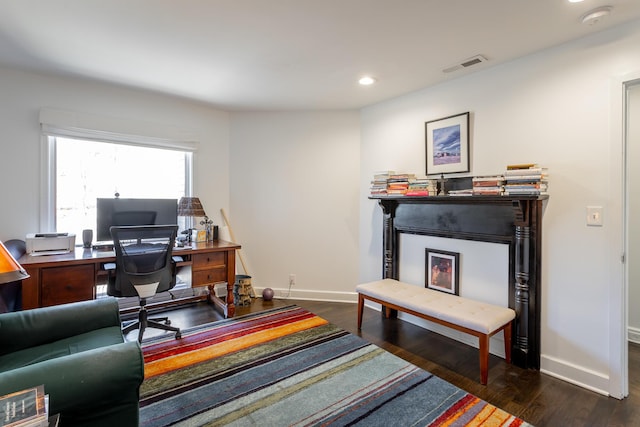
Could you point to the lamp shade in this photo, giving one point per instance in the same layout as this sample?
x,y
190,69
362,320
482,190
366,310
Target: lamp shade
x,y
10,270
190,206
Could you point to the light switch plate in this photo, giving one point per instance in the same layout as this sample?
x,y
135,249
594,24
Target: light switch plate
x,y
594,216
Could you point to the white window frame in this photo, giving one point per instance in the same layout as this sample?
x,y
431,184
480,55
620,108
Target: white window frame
x,y
56,123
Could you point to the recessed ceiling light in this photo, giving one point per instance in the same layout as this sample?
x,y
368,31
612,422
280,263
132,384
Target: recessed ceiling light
x,y
595,15
575,1
366,80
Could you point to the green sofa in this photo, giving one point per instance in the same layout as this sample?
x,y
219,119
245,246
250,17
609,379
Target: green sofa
x,y
92,376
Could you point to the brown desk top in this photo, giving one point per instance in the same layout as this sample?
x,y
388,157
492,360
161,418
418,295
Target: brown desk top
x,y
83,256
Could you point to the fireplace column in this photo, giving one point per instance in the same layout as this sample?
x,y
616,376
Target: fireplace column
x,y
389,240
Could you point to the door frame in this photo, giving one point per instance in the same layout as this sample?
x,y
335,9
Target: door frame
x,y
618,267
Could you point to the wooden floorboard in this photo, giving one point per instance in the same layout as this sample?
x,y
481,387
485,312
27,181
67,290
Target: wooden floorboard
x,y
537,398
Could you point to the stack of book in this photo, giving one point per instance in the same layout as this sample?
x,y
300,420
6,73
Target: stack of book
x,y
398,184
419,187
379,183
26,408
525,180
492,185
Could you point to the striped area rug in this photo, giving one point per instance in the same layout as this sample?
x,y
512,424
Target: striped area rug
x,y
289,367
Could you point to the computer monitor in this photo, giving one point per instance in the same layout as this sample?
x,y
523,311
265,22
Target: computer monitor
x,y
118,211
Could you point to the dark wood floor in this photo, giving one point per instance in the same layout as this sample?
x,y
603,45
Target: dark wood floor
x,y
537,398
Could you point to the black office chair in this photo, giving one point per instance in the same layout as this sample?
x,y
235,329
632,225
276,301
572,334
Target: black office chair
x,y
144,267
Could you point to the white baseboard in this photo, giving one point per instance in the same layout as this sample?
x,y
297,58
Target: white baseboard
x,y
597,382
312,295
633,334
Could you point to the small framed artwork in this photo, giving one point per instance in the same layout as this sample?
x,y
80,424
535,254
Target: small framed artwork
x,y
201,236
442,271
447,145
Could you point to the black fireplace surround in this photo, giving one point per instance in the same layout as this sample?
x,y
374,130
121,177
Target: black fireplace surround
x,y
512,220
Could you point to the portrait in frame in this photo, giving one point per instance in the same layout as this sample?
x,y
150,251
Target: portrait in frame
x,y
442,271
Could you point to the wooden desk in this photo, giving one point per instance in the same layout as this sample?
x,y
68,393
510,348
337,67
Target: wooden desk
x,y
59,279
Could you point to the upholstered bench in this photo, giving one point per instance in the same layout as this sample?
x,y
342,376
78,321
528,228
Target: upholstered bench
x,y
472,317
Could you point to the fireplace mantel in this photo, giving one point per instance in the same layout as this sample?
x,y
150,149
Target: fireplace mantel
x,y
512,220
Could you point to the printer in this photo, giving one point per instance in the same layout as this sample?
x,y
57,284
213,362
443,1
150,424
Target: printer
x,y
50,243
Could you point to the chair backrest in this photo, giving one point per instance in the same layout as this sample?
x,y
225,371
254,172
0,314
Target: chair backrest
x,y
143,255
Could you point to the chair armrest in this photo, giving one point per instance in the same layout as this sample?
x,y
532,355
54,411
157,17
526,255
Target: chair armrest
x,y
28,328
83,380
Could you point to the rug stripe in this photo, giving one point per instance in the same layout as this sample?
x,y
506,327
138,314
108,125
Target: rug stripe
x,y
221,369
190,357
218,333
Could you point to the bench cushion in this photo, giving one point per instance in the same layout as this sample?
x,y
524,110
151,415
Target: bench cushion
x,y
475,315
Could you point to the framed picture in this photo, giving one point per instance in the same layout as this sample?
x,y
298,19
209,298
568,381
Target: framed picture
x,y
201,236
442,271
447,145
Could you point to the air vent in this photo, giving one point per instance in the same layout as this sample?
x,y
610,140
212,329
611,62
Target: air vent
x,y
470,62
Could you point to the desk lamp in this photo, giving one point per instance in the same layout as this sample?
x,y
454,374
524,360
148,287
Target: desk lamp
x,y
10,270
192,207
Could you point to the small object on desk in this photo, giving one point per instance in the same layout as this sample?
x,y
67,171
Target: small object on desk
x,y
46,243
201,236
87,238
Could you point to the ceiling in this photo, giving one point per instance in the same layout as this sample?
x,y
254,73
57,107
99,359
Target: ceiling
x,y
285,54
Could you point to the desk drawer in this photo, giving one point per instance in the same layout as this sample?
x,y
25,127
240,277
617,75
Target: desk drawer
x,y
207,277
212,259
61,285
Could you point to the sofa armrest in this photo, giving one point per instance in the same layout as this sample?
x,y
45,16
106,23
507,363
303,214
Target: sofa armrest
x,y
29,328
85,380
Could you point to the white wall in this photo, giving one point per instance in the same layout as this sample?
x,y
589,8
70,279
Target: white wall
x,y
552,108
294,200
24,94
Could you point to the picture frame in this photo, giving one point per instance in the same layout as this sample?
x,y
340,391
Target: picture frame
x,y
447,145
442,271
201,236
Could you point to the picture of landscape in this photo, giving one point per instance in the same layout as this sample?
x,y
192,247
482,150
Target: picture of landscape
x,y
446,145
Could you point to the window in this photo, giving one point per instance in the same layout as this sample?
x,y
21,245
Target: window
x,y
80,170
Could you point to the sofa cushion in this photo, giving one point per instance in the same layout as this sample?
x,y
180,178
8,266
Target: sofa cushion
x,y
64,347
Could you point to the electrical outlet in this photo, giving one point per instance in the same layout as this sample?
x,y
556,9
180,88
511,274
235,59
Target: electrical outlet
x,y
292,280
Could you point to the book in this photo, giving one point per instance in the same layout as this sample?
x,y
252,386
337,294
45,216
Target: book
x,y
25,408
525,178
463,192
521,166
417,193
487,191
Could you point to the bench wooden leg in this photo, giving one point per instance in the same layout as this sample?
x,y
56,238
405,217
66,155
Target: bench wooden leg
x,y
360,310
387,312
507,342
484,359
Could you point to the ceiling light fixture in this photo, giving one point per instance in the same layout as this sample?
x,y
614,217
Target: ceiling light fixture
x,y
366,80
576,1
595,15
